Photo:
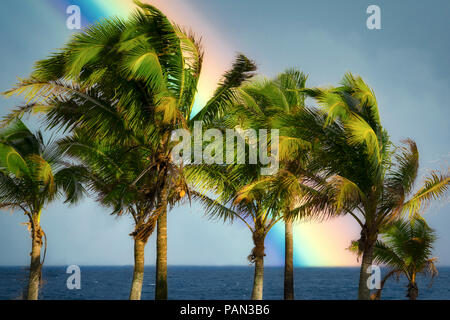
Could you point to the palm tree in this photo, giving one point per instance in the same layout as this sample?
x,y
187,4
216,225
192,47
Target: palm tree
x,y
406,249
221,190
33,174
234,191
129,83
259,104
284,96
359,172
114,173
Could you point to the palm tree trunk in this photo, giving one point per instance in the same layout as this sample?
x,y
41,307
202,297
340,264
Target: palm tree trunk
x,y
413,289
35,264
138,274
161,257
258,280
367,258
288,261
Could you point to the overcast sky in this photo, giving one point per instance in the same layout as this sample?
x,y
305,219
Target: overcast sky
x,y
406,63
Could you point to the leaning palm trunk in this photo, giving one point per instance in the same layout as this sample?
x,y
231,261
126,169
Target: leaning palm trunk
x,y
288,261
138,274
161,258
257,256
35,265
367,258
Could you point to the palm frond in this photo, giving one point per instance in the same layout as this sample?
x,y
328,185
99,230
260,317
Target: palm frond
x,y
362,133
363,94
12,162
346,192
241,71
435,187
214,209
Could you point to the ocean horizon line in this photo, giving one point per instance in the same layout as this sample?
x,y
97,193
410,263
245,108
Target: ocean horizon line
x,y
192,266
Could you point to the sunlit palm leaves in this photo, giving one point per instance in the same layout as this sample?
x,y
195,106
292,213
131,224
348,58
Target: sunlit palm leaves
x,y
435,186
32,172
128,83
110,172
353,154
362,174
225,94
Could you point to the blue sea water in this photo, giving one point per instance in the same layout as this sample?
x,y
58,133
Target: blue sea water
x,y
198,283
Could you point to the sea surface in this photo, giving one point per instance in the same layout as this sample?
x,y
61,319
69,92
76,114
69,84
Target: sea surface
x,y
198,283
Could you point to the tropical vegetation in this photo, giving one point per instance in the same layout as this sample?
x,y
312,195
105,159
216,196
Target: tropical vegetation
x,y
357,169
129,83
33,174
111,173
258,105
119,89
406,249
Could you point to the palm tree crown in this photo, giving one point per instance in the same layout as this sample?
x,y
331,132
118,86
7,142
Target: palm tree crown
x,y
33,173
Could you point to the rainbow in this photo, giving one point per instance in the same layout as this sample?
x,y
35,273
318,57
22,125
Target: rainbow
x,y
315,244
218,56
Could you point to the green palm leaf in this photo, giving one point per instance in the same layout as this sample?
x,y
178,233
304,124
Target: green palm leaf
x,y
435,186
12,161
241,71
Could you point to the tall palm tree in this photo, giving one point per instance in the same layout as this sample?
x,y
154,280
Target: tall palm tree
x,y
33,174
234,190
360,173
129,83
114,173
258,106
405,248
284,95
221,190
110,173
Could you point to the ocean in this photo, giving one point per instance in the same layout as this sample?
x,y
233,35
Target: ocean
x,y
216,283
